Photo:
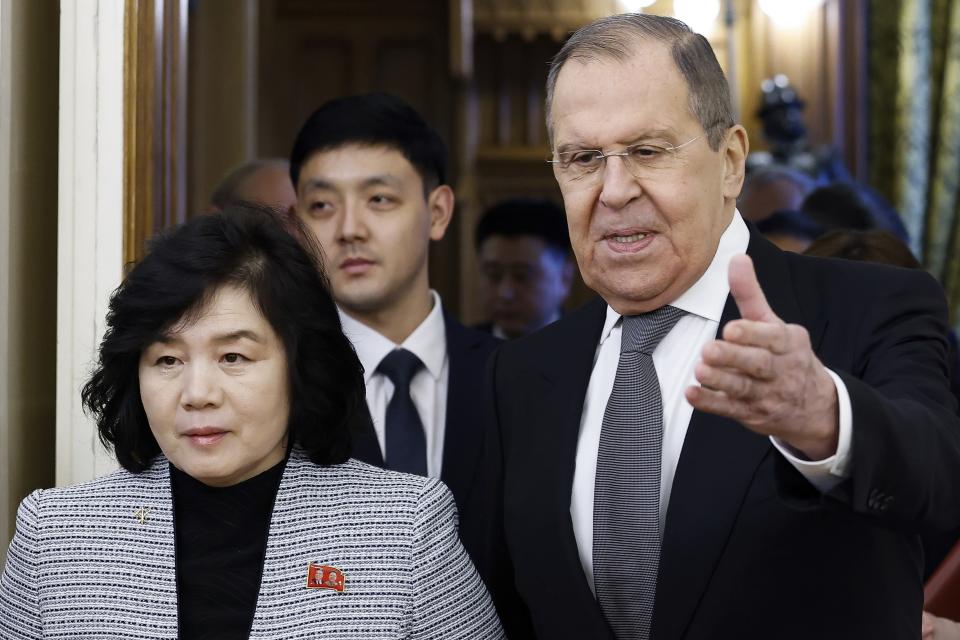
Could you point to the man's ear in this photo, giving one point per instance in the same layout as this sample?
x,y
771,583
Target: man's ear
x,y
735,147
440,203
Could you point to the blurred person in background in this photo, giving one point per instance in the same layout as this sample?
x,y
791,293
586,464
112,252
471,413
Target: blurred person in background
x,y
264,181
526,270
848,205
771,189
881,247
789,230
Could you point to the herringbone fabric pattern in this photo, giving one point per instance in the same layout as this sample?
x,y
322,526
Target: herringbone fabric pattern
x,y
81,565
626,508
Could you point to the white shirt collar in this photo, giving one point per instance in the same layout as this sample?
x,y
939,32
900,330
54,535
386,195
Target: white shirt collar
x,y
428,341
708,295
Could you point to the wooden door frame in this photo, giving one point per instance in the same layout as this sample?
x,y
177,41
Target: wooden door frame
x,y
155,120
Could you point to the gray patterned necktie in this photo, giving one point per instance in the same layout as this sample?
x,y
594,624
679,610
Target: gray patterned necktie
x,y
626,499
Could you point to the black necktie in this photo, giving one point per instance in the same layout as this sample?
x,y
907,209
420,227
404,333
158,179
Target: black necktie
x,y
406,441
626,499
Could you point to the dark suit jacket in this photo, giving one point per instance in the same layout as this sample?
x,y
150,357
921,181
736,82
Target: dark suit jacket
x,y
468,350
750,548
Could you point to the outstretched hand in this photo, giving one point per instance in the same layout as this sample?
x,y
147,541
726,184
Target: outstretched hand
x,y
764,374
934,628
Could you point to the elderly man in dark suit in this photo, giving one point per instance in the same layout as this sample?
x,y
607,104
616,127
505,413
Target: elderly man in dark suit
x,y
735,442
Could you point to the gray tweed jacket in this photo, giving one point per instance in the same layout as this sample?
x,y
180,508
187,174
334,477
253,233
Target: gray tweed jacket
x,y
97,560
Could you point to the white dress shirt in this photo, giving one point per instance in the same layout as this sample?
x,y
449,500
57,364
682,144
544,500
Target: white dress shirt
x,y
675,359
428,388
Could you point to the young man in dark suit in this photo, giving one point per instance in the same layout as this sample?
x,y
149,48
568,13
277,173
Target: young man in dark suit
x,y
735,442
370,176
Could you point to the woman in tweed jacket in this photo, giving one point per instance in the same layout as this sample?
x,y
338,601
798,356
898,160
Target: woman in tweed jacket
x,y
226,391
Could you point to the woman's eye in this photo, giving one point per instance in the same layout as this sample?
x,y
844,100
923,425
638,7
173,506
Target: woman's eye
x,y
233,358
319,207
166,361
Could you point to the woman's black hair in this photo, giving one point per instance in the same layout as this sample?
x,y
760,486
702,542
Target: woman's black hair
x,y
266,254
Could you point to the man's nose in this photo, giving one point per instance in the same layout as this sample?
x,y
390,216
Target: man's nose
x,y
506,289
352,227
620,187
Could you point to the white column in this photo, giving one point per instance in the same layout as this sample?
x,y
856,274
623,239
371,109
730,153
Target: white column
x,y
5,168
90,229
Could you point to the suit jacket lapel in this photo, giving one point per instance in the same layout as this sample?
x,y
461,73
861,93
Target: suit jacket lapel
x,y
463,438
716,466
366,447
564,380
151,507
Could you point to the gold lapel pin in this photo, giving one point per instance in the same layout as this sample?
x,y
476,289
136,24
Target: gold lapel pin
x,y
141,514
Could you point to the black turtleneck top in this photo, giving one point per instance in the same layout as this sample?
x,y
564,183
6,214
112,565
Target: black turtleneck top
x,y
221,539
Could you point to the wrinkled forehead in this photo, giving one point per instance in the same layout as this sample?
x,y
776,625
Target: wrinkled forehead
x,y
606,99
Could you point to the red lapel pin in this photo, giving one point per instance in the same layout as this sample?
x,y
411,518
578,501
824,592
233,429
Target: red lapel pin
x,y
320,576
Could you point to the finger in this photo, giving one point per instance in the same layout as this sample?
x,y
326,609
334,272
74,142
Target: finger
x,y
716,402
773,336
752,361
746,290
732,383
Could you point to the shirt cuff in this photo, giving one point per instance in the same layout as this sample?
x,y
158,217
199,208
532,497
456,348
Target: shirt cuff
x,y
827,473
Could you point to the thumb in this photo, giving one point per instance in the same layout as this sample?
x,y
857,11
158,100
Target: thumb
x,y
746,291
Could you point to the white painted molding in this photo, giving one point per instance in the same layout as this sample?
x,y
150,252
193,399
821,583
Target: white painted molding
x,y
90,228
6,115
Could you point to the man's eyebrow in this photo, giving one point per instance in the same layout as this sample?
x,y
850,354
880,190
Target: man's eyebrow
x,y
575,146
319,184
654,134
384,179
651,134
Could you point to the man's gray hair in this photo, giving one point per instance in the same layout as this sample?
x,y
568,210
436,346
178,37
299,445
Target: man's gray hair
x,y
616,36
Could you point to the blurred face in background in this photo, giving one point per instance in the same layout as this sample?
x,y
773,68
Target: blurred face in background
x,y
524,282
270,186
759,201
215,391
367,207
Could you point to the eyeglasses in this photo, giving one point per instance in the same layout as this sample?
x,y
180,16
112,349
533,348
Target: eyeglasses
x,y
640,160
